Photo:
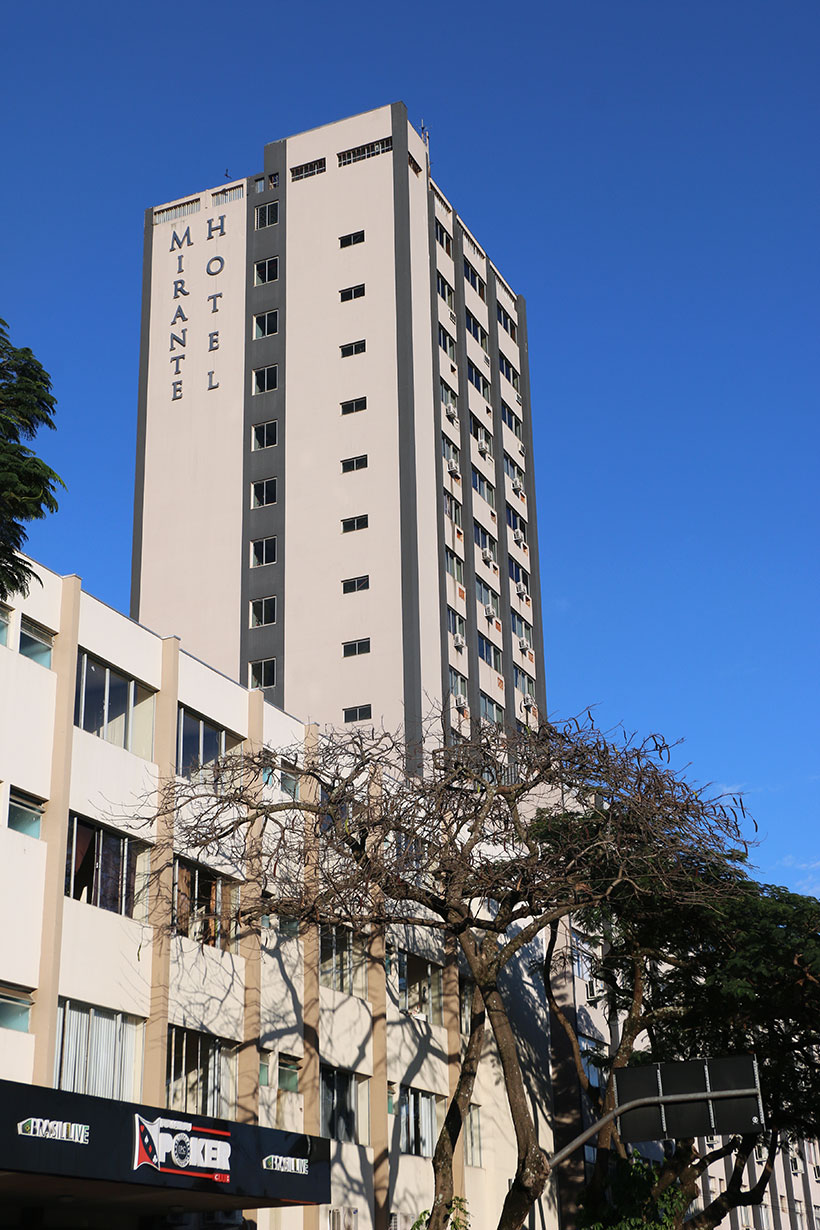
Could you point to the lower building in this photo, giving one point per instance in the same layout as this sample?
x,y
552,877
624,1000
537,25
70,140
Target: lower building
x,y
158,1066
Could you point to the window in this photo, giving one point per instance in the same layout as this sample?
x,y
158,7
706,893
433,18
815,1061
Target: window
x,y
478,331
417,1121
25,813
263,611
590,1048
106,869
15,1006
457,683
523,681
484,437
489,652
265,324
455,623
517,573
512,420
506,321
351,348
516,523
485,595
489,710
358,713
449,399
205,905
354,406
338,1103
513,470
352,292
799,1219
4,625
199,742
266,271
353,585
351,464
445,290
289,785
419,986
267,215
475,281
466,988
449,451
506,368
521,628
113,706
447,343
263,492
97,1051
265,379
264,435
35,642
347,241
317,167
485,489
342,964
452,508
259,184
444,238
263,673
353,649
236,193
472,1137
485,542
200,1076
263,551
383,146
351,524
287,1080
454,565
478,379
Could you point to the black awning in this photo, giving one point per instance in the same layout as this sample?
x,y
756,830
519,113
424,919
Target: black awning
x,y
201,1162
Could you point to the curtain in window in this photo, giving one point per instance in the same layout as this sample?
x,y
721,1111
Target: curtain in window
x,y
426,1125
102,1077
96,1051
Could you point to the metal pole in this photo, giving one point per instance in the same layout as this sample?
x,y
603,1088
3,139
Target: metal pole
x,y
652,1100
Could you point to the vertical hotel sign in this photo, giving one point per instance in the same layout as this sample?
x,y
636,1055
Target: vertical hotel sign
x,y
214,265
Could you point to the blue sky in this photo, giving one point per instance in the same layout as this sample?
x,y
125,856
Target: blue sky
x,y
645,172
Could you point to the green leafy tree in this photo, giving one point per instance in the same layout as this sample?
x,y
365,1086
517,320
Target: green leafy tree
x,y
27,484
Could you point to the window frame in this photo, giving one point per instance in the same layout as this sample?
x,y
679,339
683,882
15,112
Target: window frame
x,y
263,484
262,376
265,430
262,674
266,215
350,465
351,239
267,261
350,585
349,293
263,563
265,317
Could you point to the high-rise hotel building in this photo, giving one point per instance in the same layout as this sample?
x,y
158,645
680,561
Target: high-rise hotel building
x,y
335,497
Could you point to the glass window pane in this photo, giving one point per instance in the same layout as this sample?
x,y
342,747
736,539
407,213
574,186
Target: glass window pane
x,y
24,816
110,871
33,646
14,1014
94,711
117,708
211,743
142,723
189,751
84,860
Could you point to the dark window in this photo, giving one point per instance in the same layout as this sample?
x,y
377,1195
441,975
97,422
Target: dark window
x,y
263,673
266,271
361,152
447,343
265,324
478,331
347,241
205,905
488,652
445,290
263,611
351,348
265,379
444,238
478,379
106,869
352,407
352,649
352,292
354,463
264,435
358,713
475,280
263,492
199,742
506,368
317,167
354,584
337,1095
267,215
263,551
354,523
506,322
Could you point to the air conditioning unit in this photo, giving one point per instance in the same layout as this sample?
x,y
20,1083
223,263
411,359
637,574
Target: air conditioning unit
x,y
487,556
489,610
518,399
528,701
460,700
459,641
452,466
518,535
451,412
487,359
795,1165
453,317
518,486
483,448
522,448
521,590
523,644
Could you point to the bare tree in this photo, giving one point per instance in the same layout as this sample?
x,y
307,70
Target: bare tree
x,y
487,844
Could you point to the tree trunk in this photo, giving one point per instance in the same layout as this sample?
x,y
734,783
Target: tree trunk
x,y
454,1120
